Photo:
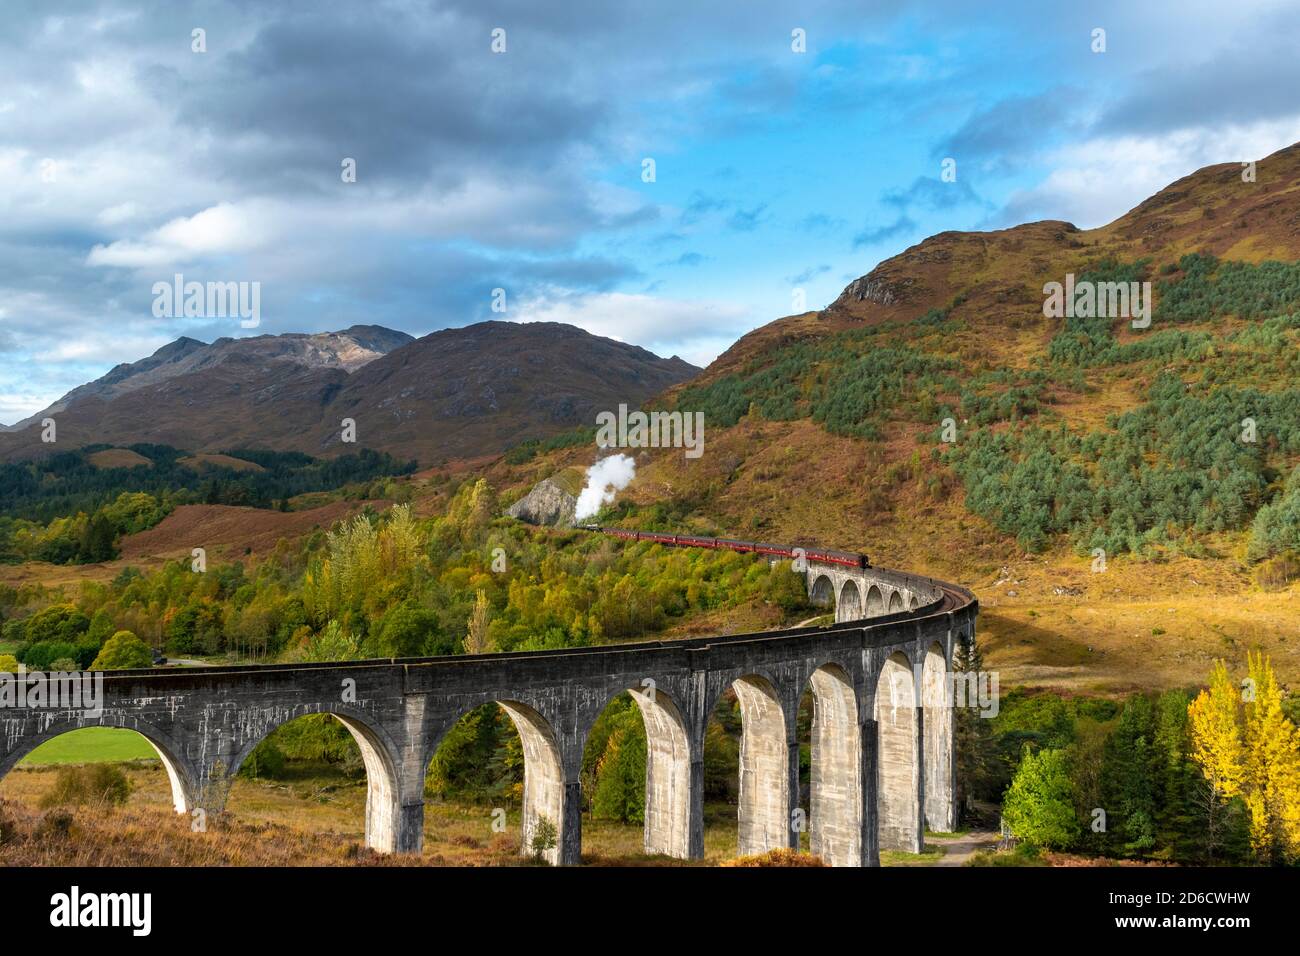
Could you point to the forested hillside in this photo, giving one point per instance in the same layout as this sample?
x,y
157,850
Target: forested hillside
x,y
71,508
1087,477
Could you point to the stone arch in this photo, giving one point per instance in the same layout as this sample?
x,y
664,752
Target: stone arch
x,y
383,803
895,601
667,773
764,814
850,603
940,812
898,778
543,776
913,603
179,775
822,593
835,823
544,786
875,601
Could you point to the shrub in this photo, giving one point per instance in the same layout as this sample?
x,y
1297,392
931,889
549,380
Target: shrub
x,y
39,656
786,589
55,825
123,651
59,622
782,857
409,630
1276,573
8,827
1039,806
545,837
266,760
1024,854
97,783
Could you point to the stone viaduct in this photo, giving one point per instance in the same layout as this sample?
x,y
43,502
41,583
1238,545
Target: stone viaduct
x,y
882,733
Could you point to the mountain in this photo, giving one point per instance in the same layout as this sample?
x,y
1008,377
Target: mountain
x,y
1081,430
348,349
1098,485
999,274
455,393
461,393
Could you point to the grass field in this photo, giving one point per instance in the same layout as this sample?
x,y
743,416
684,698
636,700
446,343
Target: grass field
x,y
118,458
312,817
91,745
931,855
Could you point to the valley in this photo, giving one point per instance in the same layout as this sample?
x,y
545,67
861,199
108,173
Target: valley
x,y
1121,500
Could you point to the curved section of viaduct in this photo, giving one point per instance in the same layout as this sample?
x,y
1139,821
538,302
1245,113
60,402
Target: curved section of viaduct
x,y
882,734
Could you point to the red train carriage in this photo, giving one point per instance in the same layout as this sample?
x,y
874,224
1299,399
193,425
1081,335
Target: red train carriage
x,y
658,537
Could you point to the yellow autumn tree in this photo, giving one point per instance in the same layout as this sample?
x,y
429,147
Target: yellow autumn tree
x,y
470,511
1247,748
476,636
365,569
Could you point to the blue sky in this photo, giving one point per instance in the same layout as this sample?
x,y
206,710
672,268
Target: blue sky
x,y
126,157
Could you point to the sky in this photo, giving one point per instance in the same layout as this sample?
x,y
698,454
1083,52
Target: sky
x,y
503,145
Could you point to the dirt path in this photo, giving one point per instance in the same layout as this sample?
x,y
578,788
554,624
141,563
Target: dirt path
x,y
959,849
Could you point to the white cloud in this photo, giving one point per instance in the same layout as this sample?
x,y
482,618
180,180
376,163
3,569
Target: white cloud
x,y
120,213
696,331
105,349
15,406
1098,180
219,230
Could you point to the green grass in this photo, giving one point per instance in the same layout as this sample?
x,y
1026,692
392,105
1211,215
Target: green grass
x,y
927,857
1016,857
91,745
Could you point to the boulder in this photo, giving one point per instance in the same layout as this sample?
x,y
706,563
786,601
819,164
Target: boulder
x,y
548,504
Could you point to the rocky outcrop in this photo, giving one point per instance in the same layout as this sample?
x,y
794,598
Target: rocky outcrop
x,y
547,504
882,291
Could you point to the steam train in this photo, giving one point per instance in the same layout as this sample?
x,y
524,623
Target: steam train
x,y
821,555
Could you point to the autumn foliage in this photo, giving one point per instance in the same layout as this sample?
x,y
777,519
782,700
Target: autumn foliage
x,y
1248,749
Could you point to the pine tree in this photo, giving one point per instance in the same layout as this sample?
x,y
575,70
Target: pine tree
x,y
620,774
1178,818
1128,789
972,733
97,539
1088,773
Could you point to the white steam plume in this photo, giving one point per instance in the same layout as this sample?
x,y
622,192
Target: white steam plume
x,y
605,479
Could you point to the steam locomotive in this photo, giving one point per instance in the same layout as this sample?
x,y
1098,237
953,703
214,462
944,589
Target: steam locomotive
x,y
821,555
